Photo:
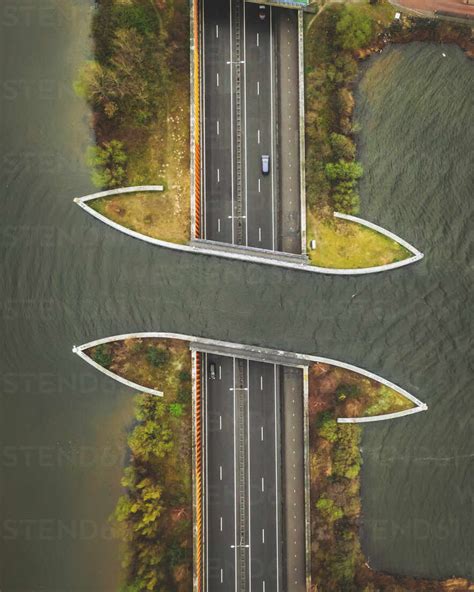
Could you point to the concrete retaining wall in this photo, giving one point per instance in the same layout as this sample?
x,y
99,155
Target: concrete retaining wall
x,y
82,202
417,255
258,353
121,191
79,350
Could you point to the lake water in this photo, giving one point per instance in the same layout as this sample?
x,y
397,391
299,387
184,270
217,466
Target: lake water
x,y
67,279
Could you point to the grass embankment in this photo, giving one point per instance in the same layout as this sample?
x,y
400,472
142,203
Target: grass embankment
x,y
154,516
336,41
342,243
332,171
138,88
338,563
150,213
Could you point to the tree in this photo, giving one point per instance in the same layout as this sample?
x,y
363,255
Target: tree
x,y
327,426
354,29
109,162
328,509
346,200
343,148
343,171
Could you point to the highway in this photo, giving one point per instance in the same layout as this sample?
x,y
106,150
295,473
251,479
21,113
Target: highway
x,y
242,456
243,120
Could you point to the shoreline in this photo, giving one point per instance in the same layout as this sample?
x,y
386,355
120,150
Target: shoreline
x,y
129,150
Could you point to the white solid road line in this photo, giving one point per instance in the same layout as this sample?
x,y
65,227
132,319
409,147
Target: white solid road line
x,y
235,472
231,56
275,375
245,126
271,128
248,475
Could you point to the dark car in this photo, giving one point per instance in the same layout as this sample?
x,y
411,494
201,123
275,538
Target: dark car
x,y
212,371
262,12
265,164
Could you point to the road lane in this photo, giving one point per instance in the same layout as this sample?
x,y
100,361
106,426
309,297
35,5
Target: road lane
x,y
289,229
220,501
217,125
260,127
265,496
243,458
293,479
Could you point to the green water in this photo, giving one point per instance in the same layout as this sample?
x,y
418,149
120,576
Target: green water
x,y
67,279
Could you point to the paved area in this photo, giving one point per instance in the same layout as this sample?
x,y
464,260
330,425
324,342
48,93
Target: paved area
x,y
455,8
249,546
290,208
244,119
293,479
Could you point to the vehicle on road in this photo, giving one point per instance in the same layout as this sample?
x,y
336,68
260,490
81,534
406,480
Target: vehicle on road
x,y
262,12
212,371
265,164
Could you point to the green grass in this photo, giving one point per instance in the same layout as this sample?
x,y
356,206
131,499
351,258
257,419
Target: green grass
x,y
156,214
349,245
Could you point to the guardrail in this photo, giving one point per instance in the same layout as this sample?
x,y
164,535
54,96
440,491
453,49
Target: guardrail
x,y
197,472
195,121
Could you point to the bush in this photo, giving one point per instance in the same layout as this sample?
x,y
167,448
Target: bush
x,y
102,356
158,356
184,376
176,409
184,394
108,161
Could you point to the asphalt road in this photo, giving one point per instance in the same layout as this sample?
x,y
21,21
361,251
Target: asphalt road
x,y
219,454
259,544
289,137
293,479
249,215
260,125
217,140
